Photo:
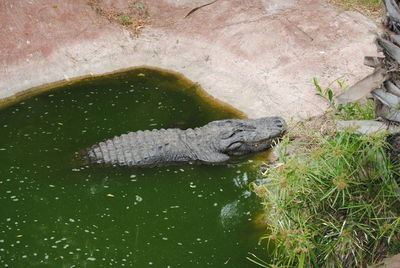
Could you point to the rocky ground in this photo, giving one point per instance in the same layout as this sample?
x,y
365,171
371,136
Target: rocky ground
x,y
257,55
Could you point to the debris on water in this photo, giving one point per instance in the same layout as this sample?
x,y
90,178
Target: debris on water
x,y
246,194
45,177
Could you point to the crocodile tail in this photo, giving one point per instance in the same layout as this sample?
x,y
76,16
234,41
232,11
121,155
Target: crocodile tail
x,y
109,152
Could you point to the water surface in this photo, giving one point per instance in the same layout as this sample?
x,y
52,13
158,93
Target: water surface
x,y
57,212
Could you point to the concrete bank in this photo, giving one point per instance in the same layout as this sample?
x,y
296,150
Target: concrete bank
x,y
257,55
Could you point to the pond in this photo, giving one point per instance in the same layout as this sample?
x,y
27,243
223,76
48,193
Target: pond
x,y
58,212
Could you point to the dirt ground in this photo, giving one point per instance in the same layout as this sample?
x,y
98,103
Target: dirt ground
x,y
258,55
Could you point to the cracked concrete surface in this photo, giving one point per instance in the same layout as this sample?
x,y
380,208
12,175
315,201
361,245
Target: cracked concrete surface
x,y
257,55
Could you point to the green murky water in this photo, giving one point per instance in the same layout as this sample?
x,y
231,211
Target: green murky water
x,y
56,212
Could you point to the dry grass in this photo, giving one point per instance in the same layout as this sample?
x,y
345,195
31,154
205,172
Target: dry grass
x,y
134,17
371,8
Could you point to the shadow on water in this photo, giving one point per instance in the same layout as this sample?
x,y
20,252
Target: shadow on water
x,y
58,213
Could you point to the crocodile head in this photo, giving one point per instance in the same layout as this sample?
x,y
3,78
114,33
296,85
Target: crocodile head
x,y
240,137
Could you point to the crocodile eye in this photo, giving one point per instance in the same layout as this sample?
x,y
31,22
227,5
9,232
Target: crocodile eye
x,y
234,146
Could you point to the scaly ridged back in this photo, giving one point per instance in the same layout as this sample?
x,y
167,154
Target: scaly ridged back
x,y
140,148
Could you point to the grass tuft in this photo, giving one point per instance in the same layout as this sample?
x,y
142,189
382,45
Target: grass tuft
x,y
332,198
364,110
126,20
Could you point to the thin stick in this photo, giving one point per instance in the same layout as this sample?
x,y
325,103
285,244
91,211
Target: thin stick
x,y
197,8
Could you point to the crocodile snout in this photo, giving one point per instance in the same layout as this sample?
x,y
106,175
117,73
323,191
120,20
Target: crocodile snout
x,y
276,123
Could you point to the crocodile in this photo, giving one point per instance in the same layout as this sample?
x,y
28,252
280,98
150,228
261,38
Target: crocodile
x,y
215,142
